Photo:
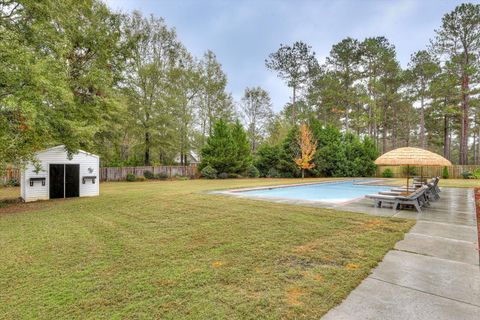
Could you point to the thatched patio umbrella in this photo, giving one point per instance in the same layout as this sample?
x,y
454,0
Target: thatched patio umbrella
x,y
411,157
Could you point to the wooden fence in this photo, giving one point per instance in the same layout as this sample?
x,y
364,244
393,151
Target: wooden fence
x,y
10,173
454,172
120,173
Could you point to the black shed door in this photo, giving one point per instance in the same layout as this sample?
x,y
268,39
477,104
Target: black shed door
x,y
72,180
56,181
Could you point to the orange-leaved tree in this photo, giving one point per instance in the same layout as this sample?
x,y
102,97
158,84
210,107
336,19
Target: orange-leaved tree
x,y
308,146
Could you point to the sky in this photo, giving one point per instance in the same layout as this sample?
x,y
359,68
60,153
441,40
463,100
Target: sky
x,y
242,33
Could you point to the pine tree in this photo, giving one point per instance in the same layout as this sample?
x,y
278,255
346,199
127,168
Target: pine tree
x,y
243,154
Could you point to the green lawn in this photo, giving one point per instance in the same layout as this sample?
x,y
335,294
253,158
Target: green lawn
x,y
169,250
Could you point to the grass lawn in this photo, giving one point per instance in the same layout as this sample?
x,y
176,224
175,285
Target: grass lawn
x,y
169,250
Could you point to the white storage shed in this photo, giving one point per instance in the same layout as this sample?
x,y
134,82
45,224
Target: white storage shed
x,y
56,176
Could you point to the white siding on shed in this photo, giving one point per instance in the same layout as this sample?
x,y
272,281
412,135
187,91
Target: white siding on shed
x,y
58,155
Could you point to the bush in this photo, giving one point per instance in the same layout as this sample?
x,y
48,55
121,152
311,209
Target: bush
x,y
409,171
445,174
476,174
209,173
161,176
131,177
139,178
148,174
223,175
12,183
467,175
387,173
253,172
234,175
272,173
182,178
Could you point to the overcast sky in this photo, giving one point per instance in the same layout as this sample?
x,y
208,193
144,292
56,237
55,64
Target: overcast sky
x,y
243,33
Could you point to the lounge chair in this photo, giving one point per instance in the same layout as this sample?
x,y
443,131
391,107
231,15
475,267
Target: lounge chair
x,y
431,193
416,199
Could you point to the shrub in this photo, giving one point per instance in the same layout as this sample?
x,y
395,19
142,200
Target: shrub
x,y
409,171
209,173
182,178
467,175
445,174
387,173
161,176
476,174
252,172
12,183
272,173
148,174
223,175
131,177
139,178
234,175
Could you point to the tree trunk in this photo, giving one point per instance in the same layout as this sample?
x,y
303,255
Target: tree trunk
x,y
422,123
147,148
446,137
384,134
394,128
294,112
465,108
303,173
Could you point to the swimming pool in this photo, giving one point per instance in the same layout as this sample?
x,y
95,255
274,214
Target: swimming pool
x,y
335,192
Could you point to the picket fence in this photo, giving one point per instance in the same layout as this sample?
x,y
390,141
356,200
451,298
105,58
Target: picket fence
x,y
454,172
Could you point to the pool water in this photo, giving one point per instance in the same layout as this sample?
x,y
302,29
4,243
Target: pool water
x,y
335,192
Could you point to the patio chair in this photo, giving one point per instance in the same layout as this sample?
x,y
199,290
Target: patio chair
x,y
431,193
416,199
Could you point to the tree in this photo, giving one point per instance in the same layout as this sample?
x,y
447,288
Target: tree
x,y
227,149
344,62
308,146
59,65
294,64
459,39
257,110
155,52
422,70
376,54
243,153
214,102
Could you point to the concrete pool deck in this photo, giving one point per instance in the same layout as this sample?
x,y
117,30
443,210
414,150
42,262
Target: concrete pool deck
x,y
432,274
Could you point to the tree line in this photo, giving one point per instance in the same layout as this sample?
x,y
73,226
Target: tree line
x,y
124,86
361,87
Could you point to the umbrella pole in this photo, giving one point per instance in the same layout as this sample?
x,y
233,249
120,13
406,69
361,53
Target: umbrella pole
x,y
421,174
408,178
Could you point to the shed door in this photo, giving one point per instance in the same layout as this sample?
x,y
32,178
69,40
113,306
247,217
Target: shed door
x,y
56,181
72,180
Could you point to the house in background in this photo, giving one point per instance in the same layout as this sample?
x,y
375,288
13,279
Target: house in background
x,y
57,176
192,158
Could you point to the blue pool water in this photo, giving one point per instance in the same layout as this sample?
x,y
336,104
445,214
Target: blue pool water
x,y
326,192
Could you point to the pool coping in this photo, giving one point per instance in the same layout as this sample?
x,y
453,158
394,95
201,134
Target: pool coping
x,y
238,193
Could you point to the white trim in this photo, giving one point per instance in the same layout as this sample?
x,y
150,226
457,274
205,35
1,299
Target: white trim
x,y
63,147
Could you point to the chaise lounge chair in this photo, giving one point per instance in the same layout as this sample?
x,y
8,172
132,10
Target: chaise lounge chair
x,y
417,199
432,191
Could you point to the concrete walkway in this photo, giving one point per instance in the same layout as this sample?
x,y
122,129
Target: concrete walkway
x,y
432,274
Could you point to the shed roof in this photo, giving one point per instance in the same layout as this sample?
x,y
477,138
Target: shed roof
x,y
63,147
